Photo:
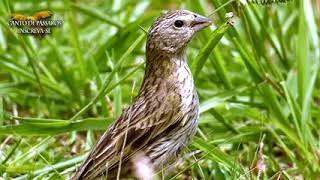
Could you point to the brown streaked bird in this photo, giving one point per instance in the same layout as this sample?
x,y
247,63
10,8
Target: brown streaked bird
x,y
163,118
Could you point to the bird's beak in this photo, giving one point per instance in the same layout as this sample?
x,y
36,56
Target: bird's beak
x,y
200,22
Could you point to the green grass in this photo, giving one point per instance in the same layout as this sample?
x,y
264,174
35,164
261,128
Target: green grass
x,y
258,84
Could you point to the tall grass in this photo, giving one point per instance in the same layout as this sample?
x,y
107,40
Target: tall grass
x,y
258,84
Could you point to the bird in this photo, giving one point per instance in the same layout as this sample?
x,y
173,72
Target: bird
x,y
163,117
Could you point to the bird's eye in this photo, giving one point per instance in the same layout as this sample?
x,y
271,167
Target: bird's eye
x,y
178,23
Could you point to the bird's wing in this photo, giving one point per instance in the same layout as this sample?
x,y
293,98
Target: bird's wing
x,y
144,120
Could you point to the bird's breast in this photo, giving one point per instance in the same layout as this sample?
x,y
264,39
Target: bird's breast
x,y
168,76
184,86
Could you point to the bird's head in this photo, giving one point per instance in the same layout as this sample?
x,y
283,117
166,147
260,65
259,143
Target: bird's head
x,y
172,31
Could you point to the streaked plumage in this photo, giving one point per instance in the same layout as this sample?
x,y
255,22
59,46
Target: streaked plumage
x,y
163,117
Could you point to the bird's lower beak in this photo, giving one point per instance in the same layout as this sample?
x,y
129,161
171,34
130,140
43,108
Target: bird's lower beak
x,y
200,22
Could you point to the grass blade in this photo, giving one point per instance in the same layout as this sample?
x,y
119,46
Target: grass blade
x,y
204,53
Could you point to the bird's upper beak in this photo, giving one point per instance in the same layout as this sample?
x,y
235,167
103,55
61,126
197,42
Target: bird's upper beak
x,y
200,22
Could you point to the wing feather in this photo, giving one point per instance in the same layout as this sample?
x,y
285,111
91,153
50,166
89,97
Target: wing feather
x,y
144,120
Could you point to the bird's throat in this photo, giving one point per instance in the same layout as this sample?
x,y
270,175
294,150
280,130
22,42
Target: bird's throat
x,y
165,66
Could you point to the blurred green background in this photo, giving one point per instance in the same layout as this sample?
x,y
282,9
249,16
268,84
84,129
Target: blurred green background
x,y
258,86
